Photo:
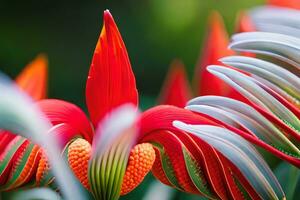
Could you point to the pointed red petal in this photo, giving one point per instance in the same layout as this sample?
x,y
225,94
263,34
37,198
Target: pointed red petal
x,y
173,149
176,90
244,23
111,81
215,48
33,79
285,3
62,112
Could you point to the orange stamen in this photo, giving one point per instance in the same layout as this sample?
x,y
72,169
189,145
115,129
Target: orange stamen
x,y
141,159
79,154
30,165
42,168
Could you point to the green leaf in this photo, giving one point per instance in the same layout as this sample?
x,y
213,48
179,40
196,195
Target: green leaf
x,y
197,175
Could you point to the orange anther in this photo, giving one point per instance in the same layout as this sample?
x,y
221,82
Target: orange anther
x,y
43,167
79,154
140,162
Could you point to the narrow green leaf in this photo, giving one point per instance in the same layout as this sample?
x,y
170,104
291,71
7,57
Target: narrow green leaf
x,y
167,166
197,175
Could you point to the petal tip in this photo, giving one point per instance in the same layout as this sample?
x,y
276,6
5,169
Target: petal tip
x,y
33,78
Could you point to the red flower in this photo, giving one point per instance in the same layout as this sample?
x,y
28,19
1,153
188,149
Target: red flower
x,y
176,89
285,3
33,81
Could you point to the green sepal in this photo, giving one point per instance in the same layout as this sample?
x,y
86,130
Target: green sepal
x,y
167,167
196,175
243,191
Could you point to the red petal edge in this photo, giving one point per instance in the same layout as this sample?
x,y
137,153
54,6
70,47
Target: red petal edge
x,y
176,89
33,79
111,81
215,48
295,4
62,112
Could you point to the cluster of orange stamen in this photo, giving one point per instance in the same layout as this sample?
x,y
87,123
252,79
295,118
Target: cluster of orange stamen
x,y
30,165
141,159
79,154
42,168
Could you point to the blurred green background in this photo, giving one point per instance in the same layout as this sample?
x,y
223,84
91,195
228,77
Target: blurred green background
x,y
154,31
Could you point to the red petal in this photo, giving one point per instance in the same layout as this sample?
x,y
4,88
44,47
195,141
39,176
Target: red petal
x,y
62,112
208,159
157,169
64,133
162,117
285,3
111,81
9,153
157,128
231,173
173,148
244,23
33,79
176,90
215,48
5,138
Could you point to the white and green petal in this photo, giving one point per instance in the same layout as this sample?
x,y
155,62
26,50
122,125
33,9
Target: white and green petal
x,y
113,141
